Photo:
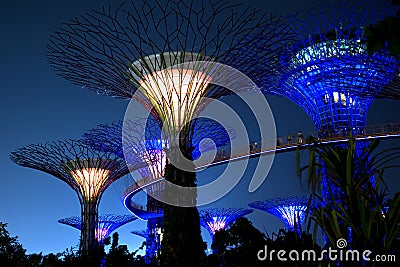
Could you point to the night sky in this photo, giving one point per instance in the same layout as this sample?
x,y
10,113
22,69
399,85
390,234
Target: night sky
x,y
38,106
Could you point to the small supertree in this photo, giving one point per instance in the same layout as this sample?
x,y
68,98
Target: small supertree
x,y
87,171
216,219
146,146
106,224
291,210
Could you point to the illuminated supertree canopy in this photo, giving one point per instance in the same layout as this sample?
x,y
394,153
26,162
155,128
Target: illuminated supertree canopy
x,y
326,68
87,171
146,146
136,47
290,210
216,219
145,143
146,135
107,223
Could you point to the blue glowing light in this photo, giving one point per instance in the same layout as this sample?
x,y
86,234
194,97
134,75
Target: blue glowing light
x,y
147,135
335,82
106,224
215,219
326,68
291,210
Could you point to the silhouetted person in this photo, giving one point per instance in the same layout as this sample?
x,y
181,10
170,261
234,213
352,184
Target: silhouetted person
x,y
300,137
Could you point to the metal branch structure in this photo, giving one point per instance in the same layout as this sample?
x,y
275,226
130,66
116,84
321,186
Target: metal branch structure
x,y
290,210
146,148
326,68
142,132
107,223
87,171
216,219
134,51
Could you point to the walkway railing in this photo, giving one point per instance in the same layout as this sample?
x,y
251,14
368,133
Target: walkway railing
x,y
284,144
378,131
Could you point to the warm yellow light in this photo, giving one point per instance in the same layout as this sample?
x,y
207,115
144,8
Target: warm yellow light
x,y
344,100
90,175
90,181
175,93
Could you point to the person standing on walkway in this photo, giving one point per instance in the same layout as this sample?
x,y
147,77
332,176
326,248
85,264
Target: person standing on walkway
x,y
289,138
300,137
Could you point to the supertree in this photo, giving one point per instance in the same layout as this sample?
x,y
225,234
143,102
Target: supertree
x,y
144,137
87,171
330,74
216,219
290,210
146,145
130,52
150,51
106,224
326,68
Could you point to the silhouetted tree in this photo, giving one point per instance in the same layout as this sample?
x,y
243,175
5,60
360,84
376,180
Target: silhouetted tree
x,y
182,243
118,255
385,33
11,251
238,245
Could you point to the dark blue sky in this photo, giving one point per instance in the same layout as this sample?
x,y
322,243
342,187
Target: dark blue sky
x,y
38,106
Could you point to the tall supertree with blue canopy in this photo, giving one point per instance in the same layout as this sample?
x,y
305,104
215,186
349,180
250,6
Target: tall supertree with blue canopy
x,y
329,72
217,219
291,210
107,223
326,68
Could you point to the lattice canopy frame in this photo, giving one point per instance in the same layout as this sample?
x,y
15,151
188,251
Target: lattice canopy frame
x,y
146,135
290,210
107,223
133,51
326,68
87,171
147,149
